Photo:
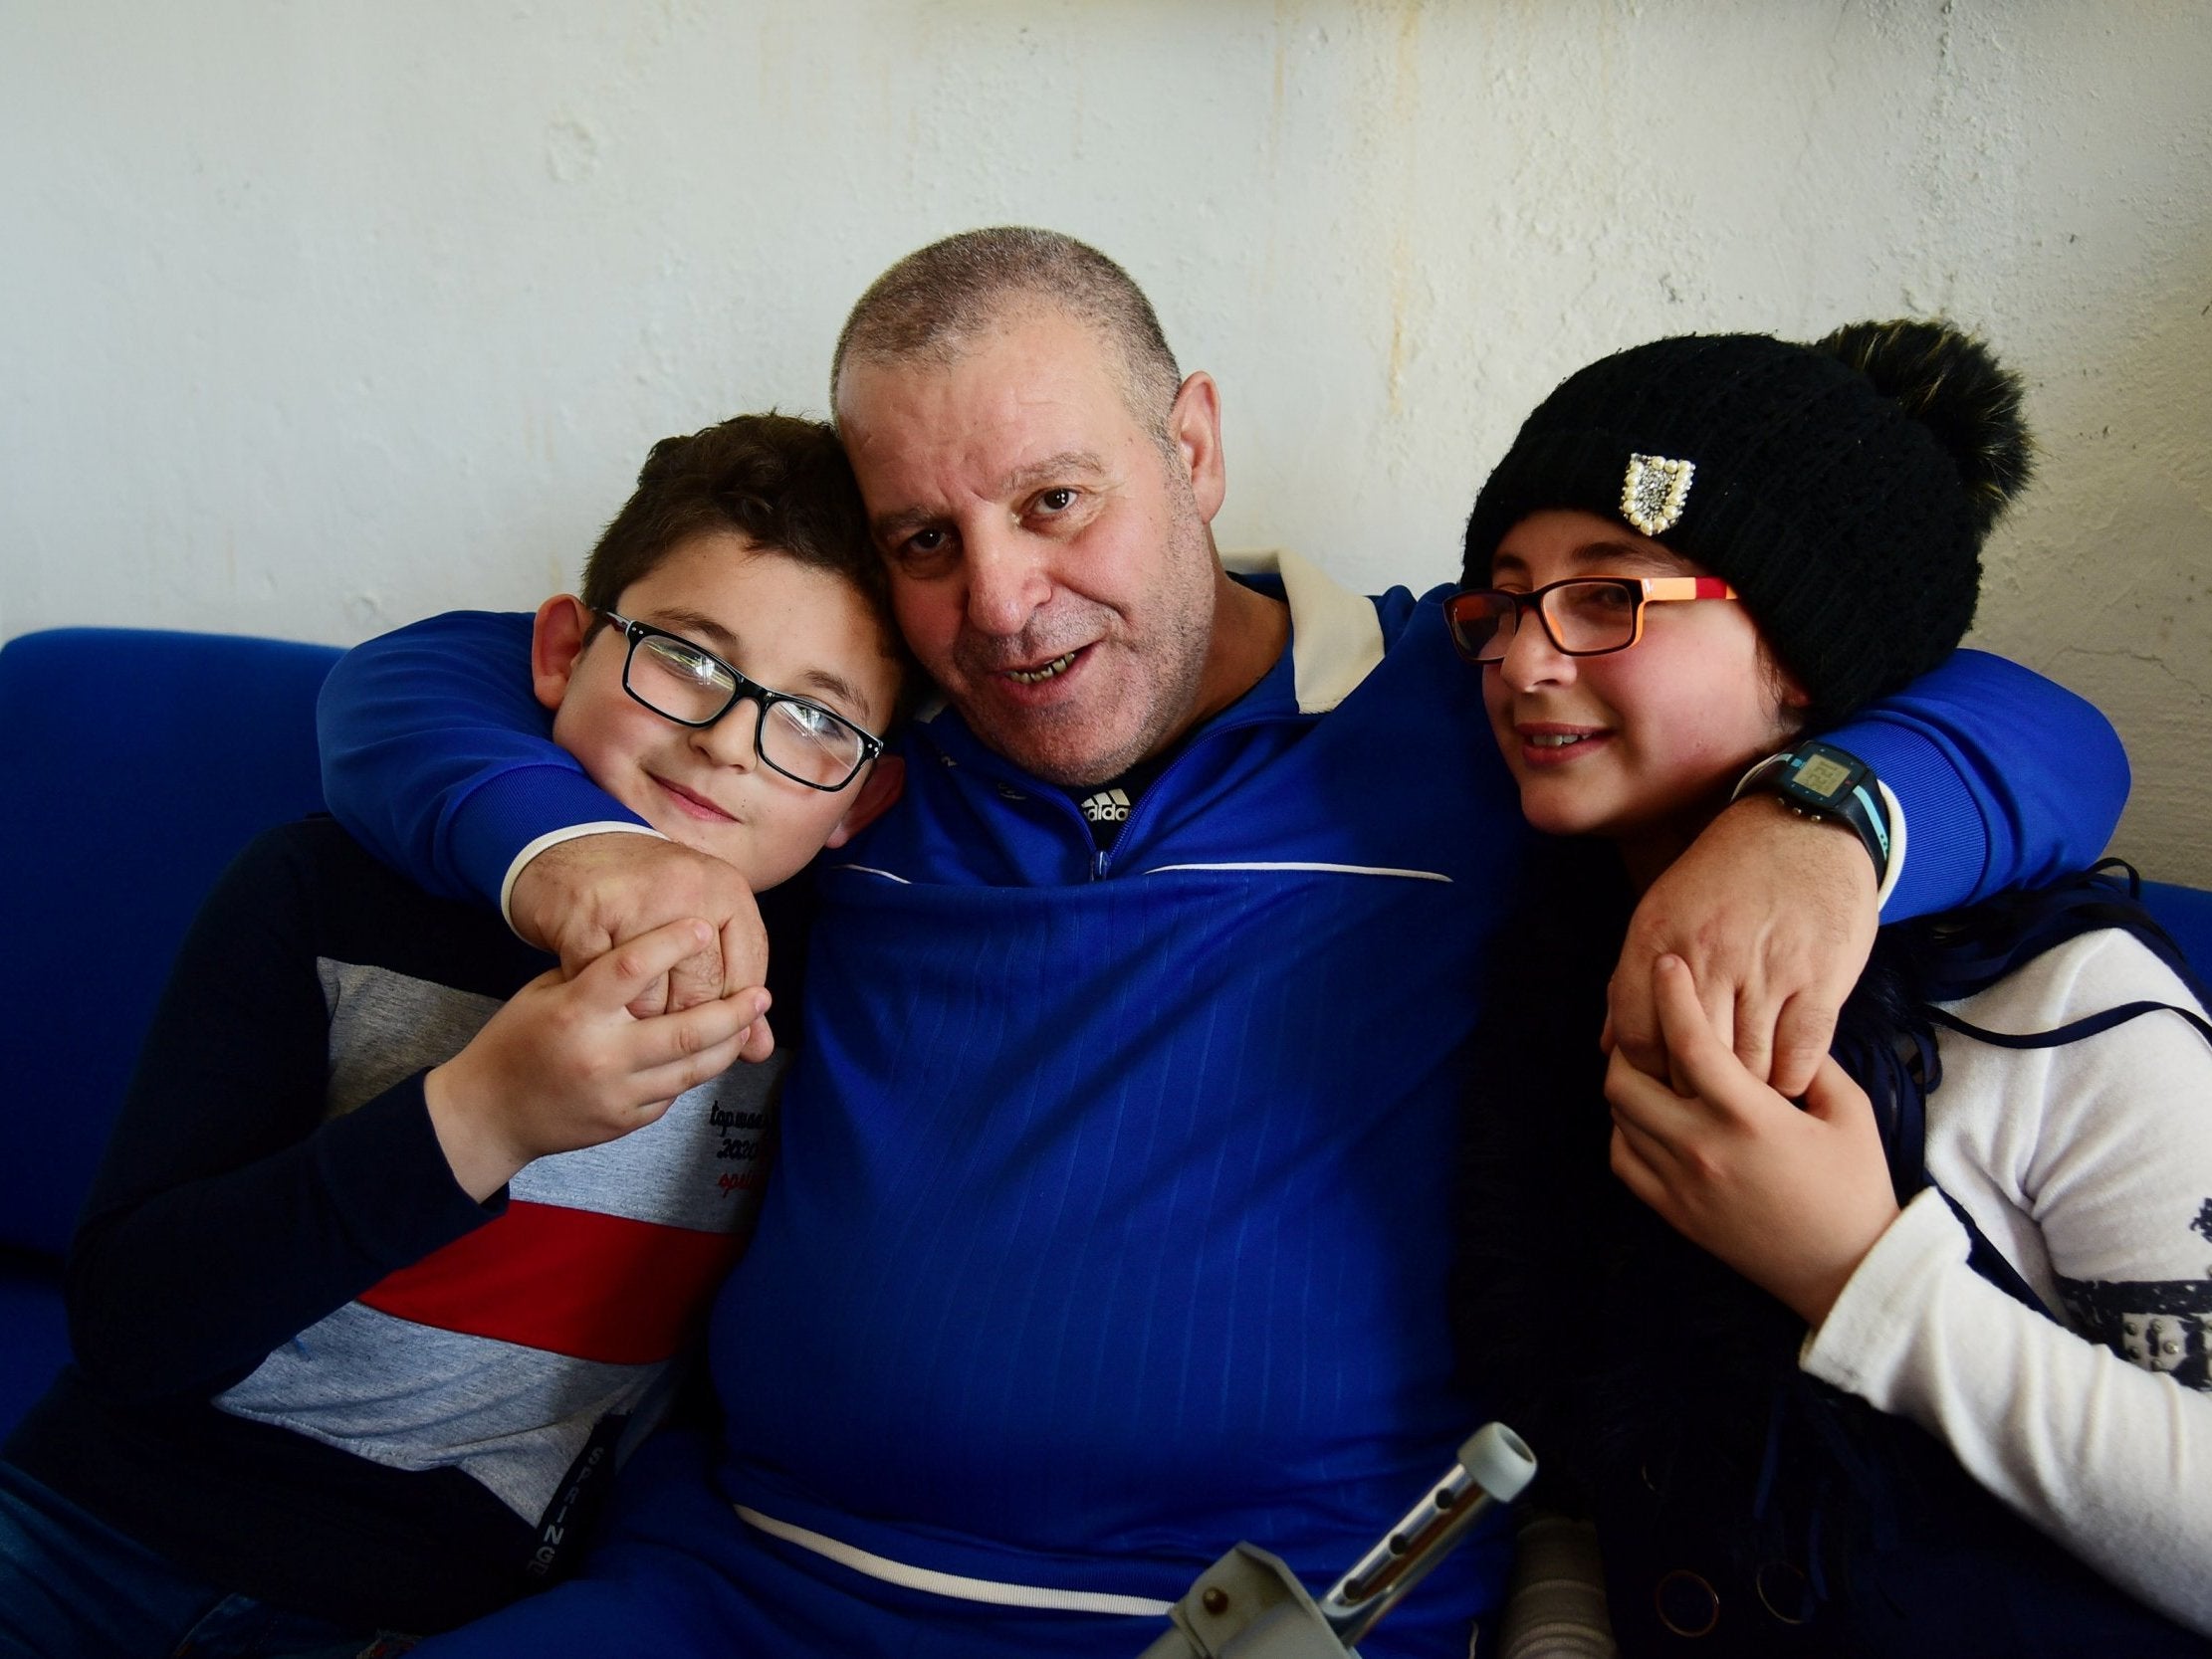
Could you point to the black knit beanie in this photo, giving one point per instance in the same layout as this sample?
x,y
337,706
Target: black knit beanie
x,y
1843,489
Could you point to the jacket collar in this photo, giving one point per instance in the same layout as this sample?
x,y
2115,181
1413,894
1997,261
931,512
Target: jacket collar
x,y
1336,639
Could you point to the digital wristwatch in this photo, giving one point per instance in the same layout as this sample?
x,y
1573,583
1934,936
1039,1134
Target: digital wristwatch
x,y
1821,782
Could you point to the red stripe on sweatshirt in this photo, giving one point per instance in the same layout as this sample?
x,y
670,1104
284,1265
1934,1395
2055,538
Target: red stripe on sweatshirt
x,y
573,1282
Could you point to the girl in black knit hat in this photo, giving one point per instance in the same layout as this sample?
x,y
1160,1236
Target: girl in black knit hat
x,y
1830,1377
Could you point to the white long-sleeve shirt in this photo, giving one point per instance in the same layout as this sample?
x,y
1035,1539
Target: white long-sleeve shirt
x,y
2089,1166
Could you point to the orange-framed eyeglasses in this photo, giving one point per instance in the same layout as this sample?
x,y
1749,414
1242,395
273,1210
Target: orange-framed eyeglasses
x,y
1582,616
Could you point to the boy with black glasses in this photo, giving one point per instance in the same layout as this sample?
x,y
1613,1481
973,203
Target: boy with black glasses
x,y
399,1231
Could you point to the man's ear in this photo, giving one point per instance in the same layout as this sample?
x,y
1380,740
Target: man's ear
x,y
555,642
1195,428
878,791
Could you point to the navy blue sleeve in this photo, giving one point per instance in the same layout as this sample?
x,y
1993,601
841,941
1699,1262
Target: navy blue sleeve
x,y
228,1215
437,757
2007,780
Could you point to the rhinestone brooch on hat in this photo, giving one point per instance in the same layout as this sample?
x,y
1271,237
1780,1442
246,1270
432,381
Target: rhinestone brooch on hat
x,y
1654,492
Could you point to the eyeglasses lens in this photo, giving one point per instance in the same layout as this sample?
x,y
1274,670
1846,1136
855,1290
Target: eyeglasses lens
x,y
797,738
1481,625
810,743
681,681
1591,617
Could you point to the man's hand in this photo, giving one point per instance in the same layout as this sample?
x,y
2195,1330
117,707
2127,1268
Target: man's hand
x,y
579,898
1774,916
565,1064
1792,1200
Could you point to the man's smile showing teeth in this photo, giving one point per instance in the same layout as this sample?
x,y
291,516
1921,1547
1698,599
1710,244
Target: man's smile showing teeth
x,y
1030,676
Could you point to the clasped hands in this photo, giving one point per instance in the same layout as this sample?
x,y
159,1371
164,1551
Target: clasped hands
x,y
1721,1011
662,954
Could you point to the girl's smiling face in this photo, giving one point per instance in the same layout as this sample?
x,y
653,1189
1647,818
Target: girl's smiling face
x,y
1640,746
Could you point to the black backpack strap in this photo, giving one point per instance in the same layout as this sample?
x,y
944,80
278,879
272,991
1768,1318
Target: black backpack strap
x,y
2088,1025
1988,1261
1985,1258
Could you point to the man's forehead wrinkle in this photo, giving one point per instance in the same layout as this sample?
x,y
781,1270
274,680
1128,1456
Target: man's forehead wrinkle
x,y
942,348
927,444
942,449
1082,465
1068,462
975,333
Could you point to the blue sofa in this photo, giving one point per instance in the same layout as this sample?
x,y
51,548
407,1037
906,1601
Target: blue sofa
x,y
139,763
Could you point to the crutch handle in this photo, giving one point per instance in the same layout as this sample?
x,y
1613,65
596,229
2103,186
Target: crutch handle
x,y
1494,1466
1249,1605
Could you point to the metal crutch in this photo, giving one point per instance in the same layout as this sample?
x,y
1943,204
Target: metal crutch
x,y
1249,1605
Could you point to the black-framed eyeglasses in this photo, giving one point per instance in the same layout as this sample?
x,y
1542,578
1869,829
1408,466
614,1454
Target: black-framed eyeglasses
x,y
690,684
1582,616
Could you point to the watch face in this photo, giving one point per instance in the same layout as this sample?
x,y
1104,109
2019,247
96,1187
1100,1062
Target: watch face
x,y
1822,777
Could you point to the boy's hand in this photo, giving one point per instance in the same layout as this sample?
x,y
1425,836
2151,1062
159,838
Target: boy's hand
x,y
566,1064
1791,1199
579,898
1774,915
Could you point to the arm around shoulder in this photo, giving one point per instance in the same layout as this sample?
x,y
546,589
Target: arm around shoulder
x,y
438,758
2007,779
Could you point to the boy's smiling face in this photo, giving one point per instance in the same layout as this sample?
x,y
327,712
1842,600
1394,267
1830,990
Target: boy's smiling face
x,y
789,626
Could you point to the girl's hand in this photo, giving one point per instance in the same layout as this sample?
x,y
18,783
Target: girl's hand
x,y
1790,1198
565,1064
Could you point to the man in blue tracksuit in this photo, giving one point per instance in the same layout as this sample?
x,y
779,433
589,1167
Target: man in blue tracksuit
x,y
1112,1214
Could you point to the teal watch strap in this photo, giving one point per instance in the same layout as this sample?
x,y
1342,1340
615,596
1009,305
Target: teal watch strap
x,y
1819,780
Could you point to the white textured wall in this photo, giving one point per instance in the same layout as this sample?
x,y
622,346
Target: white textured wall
x,y
319,316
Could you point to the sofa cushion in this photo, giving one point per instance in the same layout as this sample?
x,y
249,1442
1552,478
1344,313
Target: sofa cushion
x,y
2186,914
140,762
36,1340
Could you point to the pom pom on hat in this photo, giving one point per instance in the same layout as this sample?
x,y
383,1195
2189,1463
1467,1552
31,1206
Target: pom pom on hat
x,y
1949,383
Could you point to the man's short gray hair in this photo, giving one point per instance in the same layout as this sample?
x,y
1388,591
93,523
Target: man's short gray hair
x,y
936,300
